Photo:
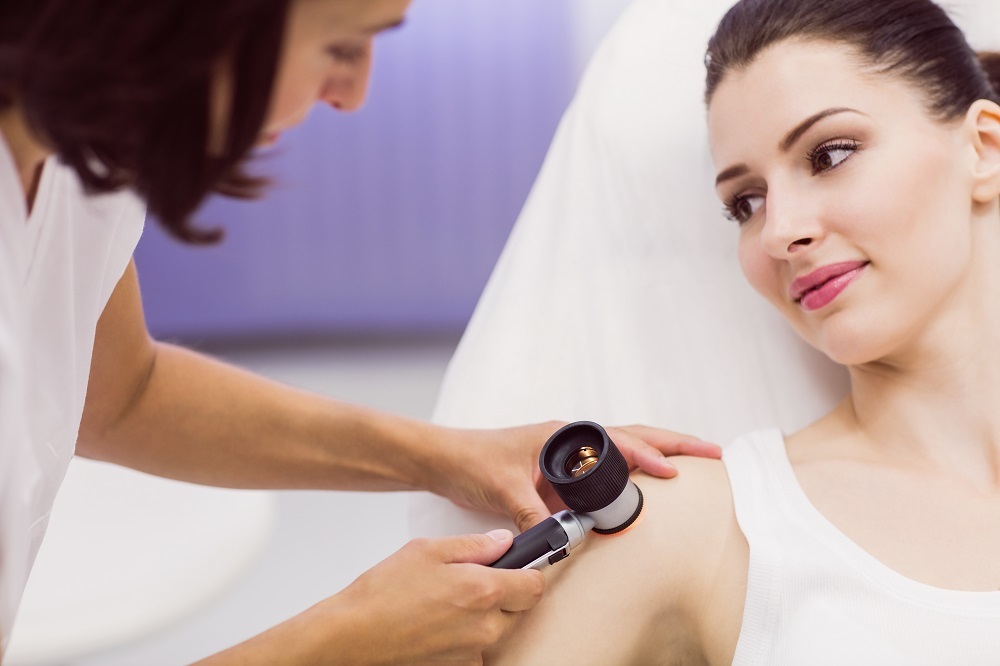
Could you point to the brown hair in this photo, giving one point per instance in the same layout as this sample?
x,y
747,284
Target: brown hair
x,y
121,90
913,39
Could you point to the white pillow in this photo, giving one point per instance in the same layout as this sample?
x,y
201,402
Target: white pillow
x,y
618,297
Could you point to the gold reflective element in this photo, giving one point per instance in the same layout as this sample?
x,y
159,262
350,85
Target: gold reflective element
x,y
581,460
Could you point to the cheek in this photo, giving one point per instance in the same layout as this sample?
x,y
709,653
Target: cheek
x,y
295,89
914,216
759,269
917,181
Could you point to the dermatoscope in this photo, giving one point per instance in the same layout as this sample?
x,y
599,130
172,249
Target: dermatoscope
x,y
590,475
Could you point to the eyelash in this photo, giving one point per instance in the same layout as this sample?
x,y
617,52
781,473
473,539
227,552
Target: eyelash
x,y
850,145
731,205
345,54
730,208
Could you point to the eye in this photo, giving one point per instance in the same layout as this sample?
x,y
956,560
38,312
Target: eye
x,y
349,55
829,156
742,207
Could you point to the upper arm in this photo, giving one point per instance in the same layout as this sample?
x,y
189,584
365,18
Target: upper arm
x,y
121,364
669,589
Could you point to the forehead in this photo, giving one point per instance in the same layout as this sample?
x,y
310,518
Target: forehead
x,y
350,18
793,80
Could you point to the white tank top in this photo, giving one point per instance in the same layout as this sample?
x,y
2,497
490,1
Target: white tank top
x,y
815,597
58,268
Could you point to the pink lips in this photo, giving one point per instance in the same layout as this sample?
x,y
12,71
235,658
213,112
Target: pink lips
x,y
819,288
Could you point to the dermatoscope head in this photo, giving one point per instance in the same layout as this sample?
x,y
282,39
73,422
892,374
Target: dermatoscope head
x,y
590,475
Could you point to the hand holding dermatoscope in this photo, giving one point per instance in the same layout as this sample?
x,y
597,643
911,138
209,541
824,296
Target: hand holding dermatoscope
x,y
590,475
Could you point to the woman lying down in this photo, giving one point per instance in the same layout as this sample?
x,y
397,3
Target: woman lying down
x,y
857,147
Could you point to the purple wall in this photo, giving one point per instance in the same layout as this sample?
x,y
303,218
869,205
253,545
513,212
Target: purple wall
x,y
390,219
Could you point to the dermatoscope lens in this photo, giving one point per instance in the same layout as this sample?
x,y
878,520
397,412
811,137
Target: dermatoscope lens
x,y
581,460
590,475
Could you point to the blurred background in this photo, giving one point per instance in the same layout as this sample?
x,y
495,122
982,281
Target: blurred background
x,y
354,277
388,220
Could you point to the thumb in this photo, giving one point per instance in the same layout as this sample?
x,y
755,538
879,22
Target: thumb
x,y
478,548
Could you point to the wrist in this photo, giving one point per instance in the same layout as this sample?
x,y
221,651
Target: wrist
x,y
438,458
366,449
432,457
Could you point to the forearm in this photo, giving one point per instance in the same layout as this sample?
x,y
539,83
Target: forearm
x,y
430,602
200,420
295,641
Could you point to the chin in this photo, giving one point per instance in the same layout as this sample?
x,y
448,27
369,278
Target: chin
x,y
854,349
850,357
846,343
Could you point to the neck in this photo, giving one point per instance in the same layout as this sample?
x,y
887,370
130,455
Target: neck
x,y
934,401
29,153
942,419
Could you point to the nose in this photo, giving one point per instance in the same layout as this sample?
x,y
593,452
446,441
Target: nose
x,y
790,225
347,87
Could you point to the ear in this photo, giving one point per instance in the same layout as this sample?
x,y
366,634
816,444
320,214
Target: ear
x,y
983,119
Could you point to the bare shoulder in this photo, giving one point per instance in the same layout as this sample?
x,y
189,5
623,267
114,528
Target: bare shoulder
x,y
697,502
670,589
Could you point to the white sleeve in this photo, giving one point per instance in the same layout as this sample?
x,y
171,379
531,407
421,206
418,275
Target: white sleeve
x,y
18,470
618,297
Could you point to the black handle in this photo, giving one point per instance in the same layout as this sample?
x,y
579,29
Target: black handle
x,y
547,536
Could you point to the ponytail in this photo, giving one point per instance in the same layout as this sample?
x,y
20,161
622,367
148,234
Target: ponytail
x,y
990,61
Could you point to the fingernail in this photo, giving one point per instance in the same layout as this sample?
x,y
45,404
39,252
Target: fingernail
x,y
499,535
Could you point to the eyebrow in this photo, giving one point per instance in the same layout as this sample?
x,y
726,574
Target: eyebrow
x,y
786,144
382,27
804,126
